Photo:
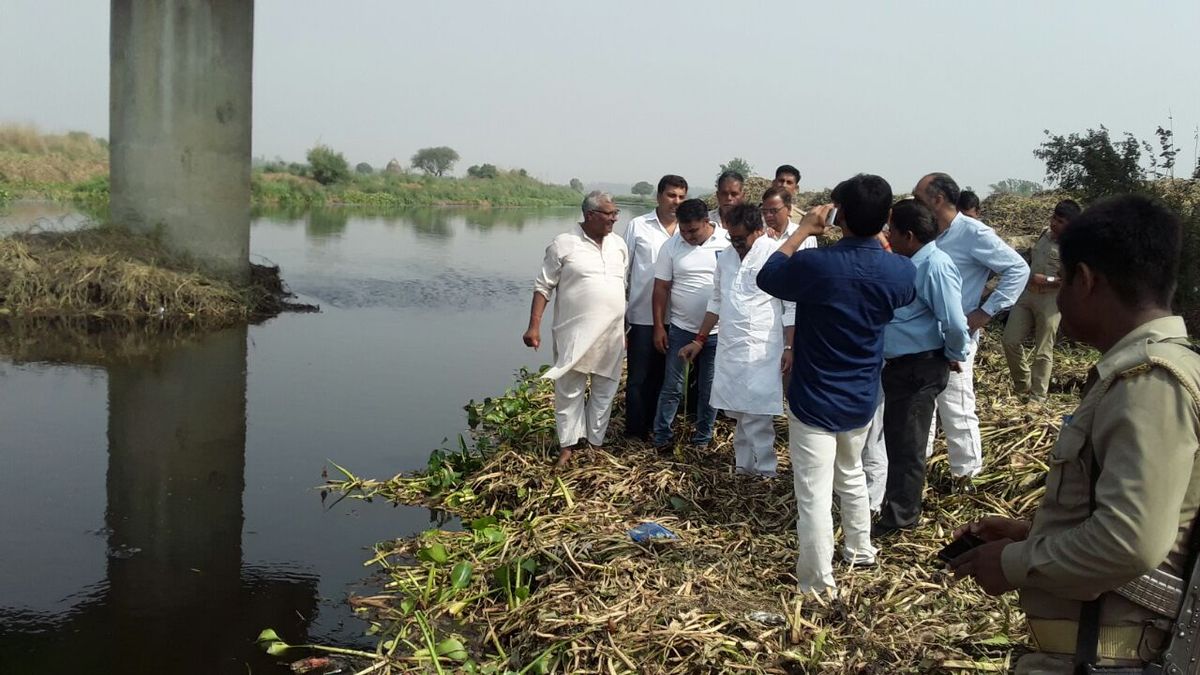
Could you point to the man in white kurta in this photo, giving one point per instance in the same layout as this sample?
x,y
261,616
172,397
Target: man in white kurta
x,y
587,269
755,345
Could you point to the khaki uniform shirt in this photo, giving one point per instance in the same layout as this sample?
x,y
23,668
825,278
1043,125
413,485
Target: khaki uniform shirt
x,y
1043,259
797,213
1139,419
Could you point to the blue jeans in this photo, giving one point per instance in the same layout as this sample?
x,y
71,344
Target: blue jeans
x,y
673,384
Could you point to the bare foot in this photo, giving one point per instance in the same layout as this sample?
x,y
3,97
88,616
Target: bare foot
x,y
564,457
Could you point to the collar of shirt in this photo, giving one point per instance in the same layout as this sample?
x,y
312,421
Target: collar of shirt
x,y
586,237
924,252
860,242
1131,346
652,218
960,223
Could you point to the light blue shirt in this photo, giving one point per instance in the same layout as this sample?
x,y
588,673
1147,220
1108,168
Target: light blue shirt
x,y
935,320
978,251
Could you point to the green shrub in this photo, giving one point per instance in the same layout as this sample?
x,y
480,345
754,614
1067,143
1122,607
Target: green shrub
x,y
328,166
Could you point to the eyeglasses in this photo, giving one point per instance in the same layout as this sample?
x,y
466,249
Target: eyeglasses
x,y
770,212
612,214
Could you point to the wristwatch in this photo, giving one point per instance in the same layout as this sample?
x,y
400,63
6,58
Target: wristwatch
x,y
787,348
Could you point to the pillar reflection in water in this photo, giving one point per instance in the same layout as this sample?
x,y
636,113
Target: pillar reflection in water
x,y
177,438
177,599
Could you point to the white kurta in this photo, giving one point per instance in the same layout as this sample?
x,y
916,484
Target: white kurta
x,y
746,377
589,309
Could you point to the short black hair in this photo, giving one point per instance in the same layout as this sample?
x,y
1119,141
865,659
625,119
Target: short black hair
x,y
671,180
1134,241
778,192
730,175
692,210
865,200
910,215
967,201
943,184
1067,209
788,169
745,215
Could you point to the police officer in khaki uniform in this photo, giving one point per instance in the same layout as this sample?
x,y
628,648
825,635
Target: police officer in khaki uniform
x,y
787,177
1124,483
1036,309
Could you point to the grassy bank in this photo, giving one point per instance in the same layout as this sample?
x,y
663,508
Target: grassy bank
x,y
74,167
544,577
386,189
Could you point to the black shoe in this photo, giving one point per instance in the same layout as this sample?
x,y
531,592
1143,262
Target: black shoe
x,y
881,530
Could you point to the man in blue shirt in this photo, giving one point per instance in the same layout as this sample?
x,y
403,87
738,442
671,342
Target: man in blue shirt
x,y
925,340
978,252
845,295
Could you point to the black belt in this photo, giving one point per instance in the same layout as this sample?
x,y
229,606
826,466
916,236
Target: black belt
x,y
919,356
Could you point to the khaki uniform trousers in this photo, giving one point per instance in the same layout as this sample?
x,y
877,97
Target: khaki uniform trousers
x,y
1037,313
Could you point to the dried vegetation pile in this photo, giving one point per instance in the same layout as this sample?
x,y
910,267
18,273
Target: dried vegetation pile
x,y
544,577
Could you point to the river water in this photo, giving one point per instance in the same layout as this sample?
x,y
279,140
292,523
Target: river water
x,y
159,511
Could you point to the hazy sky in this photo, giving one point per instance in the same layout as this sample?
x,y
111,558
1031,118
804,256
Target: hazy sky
x,y
627,91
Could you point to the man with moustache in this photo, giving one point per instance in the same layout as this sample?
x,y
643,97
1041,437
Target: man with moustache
x,y
776,211
755,345
1123,485
586,268
787,177
730,193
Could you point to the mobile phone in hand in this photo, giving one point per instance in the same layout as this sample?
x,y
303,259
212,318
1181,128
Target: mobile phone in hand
x,y
830,217
958,547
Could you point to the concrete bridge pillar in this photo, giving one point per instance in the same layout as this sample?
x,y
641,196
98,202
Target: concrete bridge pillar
x,y
179,126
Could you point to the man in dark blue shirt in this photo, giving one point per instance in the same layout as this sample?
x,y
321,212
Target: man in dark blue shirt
x,y
845,296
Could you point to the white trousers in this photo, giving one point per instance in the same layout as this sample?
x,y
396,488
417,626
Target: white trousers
x,y
955,407
874,457
824,462
576,419
754,443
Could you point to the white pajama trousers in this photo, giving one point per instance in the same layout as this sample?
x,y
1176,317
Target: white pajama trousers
x,y
576,419
874,458
824,462
955,407
754,443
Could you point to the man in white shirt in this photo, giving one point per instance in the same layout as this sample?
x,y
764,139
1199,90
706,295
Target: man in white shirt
x,y
644,236
730,193
776,213
978,252
587,269
788,178
683,286
755,345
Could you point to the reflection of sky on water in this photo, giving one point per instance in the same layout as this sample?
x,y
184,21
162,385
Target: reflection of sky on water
x,y
415,323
